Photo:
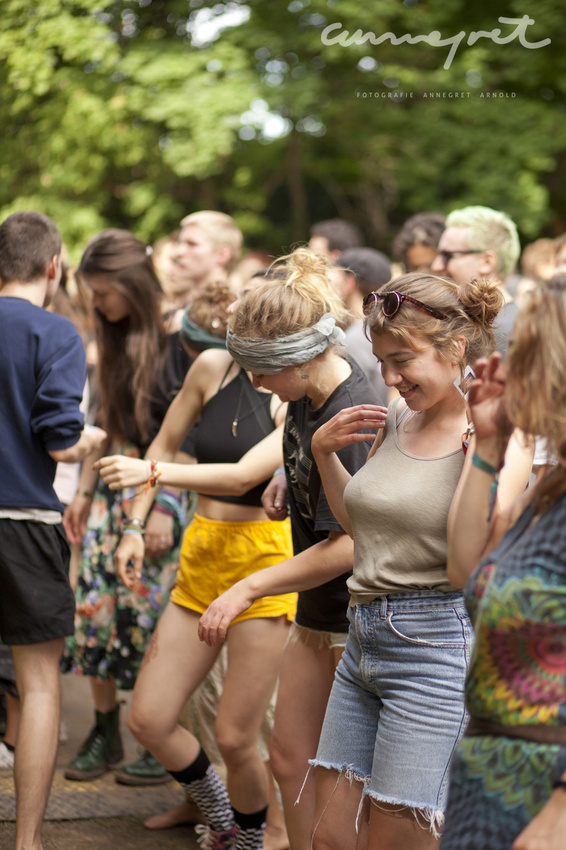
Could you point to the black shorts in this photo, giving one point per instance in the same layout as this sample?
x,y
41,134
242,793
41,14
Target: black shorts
x,y
36,600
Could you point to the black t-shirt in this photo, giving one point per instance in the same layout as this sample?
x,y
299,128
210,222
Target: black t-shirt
x,y
323,608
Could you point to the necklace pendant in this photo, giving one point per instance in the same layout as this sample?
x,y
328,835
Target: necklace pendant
x,y
234,427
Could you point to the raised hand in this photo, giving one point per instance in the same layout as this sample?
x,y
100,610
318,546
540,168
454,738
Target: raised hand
x,y
345,428
486,400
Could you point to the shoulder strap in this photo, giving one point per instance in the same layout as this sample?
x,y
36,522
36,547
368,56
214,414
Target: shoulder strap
x,y
226,373
259,408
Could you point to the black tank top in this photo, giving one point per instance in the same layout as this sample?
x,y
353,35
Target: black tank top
x,y
218,440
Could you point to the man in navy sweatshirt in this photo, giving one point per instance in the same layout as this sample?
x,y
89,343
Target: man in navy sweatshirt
x,y
42,374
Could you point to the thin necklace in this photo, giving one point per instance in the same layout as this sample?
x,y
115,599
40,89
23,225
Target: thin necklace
x,y
237,418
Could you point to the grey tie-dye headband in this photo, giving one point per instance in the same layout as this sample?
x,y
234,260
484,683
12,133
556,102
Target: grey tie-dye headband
x,y
269,356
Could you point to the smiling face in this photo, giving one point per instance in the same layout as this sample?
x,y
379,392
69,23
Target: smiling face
x,y
421,377
107,299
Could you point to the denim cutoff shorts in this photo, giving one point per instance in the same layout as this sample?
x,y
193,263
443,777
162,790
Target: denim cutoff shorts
x,y
396,710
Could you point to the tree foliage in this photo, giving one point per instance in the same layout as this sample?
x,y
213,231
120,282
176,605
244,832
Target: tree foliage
x,y
136,112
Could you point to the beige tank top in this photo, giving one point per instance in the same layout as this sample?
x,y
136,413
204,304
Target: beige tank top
x,y
398,508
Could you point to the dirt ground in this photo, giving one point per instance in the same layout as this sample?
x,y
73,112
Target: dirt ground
x,y
125,833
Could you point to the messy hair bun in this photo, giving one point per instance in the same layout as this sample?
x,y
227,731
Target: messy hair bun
x,y
481,299
209,309
470,311
295,297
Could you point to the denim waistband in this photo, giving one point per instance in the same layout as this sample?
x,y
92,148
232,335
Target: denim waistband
x,y
414,600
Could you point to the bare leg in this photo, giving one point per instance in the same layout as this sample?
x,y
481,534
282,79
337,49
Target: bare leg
x,y
275,837
103,695
255,651
39,687
12,719
175,663
339,824
399,828
305,682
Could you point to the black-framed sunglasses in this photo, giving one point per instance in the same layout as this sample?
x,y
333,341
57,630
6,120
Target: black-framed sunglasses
x,y
391,302
446,256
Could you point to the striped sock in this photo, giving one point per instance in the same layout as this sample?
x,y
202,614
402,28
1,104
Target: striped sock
x,y
249,830
201,781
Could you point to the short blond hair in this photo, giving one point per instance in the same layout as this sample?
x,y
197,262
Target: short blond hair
x,y
221,229
489,230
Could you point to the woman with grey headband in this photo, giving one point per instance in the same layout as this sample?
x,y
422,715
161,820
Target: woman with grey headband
x,y
237,445
285,332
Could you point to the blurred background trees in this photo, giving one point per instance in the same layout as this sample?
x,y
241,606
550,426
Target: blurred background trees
x,y
135,112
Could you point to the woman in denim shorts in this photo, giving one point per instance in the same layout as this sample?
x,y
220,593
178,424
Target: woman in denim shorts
x,y
396,710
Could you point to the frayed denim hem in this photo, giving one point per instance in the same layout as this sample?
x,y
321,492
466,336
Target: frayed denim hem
x,y
426,818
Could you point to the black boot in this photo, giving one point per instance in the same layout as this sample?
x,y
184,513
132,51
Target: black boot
x,y
102,748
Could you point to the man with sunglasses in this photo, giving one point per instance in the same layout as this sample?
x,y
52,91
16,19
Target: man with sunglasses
x,y
479,242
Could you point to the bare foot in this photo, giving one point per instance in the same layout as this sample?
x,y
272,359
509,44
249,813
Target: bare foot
x,y
187,812
275,838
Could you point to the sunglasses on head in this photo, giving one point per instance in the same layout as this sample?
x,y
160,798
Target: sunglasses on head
x,y
391,302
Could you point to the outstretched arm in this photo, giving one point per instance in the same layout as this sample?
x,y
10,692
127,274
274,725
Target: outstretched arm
x,y
340,431
316,565
211,479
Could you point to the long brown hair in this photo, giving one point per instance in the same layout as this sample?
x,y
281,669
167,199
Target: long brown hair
x,y
535,388
131,352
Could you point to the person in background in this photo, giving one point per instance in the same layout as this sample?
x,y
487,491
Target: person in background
x,y
560,253
507,785
479,242
416,243
329,238
359,271
205,251
113,624
42,375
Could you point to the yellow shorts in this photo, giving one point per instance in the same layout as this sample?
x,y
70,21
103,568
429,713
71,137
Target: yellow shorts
x,y
216,554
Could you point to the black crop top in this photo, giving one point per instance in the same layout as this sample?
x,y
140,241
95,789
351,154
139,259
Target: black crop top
x,y
217,441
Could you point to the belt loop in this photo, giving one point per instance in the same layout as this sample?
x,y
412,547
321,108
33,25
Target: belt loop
x,y
383,608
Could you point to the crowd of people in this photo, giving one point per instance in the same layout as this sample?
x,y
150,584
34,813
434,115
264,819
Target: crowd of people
x,y
322,494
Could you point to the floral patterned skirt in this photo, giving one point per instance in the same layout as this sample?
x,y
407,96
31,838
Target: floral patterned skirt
x,y
113,625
